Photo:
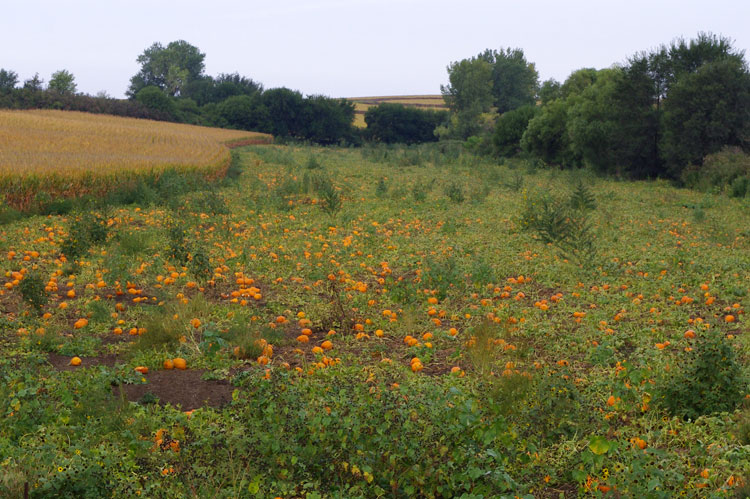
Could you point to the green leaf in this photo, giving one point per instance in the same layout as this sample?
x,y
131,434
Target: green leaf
x,y
599,445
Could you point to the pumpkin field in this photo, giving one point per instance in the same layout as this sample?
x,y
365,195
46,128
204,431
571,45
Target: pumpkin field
x,y
383,321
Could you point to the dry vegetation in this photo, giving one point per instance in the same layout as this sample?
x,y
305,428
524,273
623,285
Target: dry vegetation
x,y
77,153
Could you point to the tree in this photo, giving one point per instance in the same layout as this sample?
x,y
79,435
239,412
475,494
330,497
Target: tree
x,y
154,99
549,91
593,119
285,112
468,95
578,81
705,111
515,81
327,120
8,80
62,82
510,128
546,136
244,112
396,123
169,68
34,83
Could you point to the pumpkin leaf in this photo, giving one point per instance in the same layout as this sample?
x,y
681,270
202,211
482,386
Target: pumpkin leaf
x,y
599,445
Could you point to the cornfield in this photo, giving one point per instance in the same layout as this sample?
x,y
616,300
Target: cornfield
x,y
71,154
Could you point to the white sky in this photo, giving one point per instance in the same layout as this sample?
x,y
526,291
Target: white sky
x,y
346,48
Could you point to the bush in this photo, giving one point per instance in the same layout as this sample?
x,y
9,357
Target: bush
x,y
449,441
510,128
154,99
455,193
396,123
727,171
709,379
563,223
32,289
86,230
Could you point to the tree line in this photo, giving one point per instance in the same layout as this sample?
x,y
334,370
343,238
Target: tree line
x,y
662,113
667,112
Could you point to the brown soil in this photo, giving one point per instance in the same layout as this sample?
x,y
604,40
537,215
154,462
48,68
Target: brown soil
x,y
185,388
62,362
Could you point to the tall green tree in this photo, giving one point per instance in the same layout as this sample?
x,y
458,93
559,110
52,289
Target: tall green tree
x,y
706,110
515,81
62,82
8,80
35,84
468,94
170,68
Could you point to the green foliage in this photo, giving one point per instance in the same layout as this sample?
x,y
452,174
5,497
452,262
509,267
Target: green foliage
x,y
582,199
9,215
515,81
709,379
726,171
455,444
555,221
549,91
32,288
546,136
382,188
706,110
442,274
468,95
85,230
313,163
419,192
169,69
510,128
200,265
178,249
245,112
8,81
62,82
455,193
330,196
396,123
156,100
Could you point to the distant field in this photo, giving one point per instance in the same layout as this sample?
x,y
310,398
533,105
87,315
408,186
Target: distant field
x,y
362,104
69,153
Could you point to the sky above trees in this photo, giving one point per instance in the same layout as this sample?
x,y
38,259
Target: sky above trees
x,y
346,48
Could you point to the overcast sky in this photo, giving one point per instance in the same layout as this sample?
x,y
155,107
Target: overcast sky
x,y
346,48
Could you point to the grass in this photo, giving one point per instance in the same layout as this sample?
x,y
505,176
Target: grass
x,y
537,375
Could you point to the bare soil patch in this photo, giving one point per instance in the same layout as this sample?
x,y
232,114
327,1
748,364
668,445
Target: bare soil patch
x,y
62,362
186,389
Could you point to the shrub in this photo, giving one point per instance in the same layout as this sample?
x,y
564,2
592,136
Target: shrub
x,y
709,379
727,171
329,194
455,193
556,222
382,189
86,230
33,291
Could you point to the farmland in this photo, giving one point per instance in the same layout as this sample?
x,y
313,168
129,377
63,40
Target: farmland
x,y
97,152
379,322
362,104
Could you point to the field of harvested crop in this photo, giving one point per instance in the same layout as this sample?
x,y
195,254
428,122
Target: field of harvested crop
x,y
381,322
362,104
70,154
